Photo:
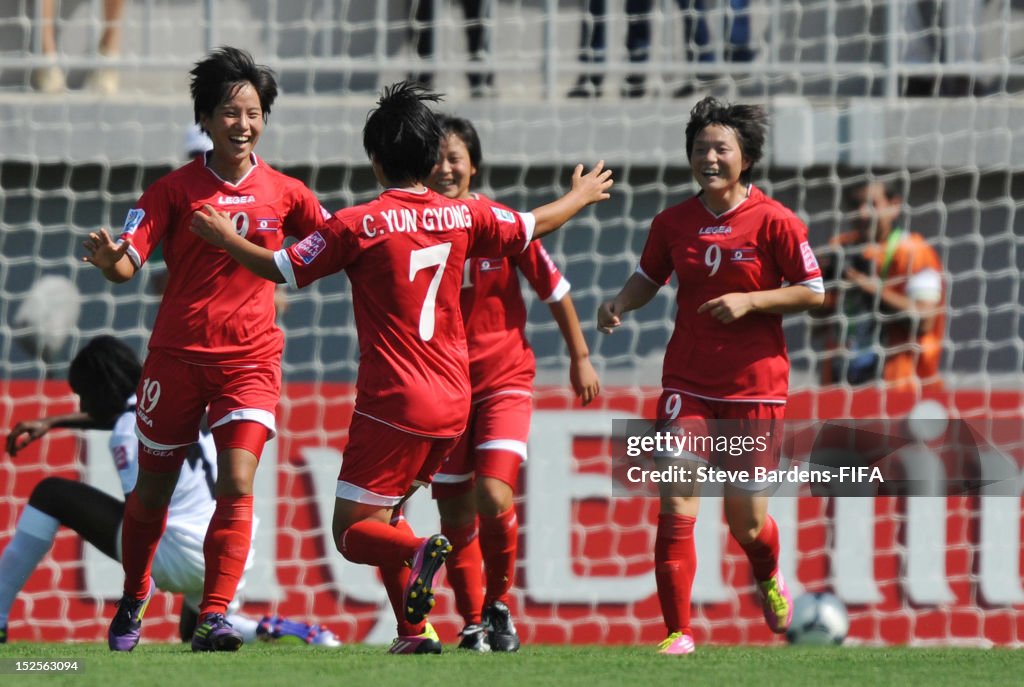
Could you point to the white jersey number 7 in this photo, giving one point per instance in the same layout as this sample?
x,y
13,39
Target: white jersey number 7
x,y
431,256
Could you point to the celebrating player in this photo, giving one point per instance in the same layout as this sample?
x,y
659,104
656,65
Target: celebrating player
x,y
731,249
404,254
501,370
105,374
214,344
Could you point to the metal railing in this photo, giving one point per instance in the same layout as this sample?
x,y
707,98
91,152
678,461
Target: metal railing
x,y
780,51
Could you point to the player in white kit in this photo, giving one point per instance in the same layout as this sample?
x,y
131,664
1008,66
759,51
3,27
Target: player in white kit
x,y
105,374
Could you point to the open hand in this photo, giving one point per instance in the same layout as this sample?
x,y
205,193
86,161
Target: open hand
x,y
592,186
103,252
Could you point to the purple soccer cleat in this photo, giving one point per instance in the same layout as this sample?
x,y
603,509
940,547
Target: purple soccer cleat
x,y
215,633
419,597
126,627
274,628
777,603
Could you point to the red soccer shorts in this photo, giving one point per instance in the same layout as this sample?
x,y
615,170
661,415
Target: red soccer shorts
x,y
381,462
729,435
499,427
173,395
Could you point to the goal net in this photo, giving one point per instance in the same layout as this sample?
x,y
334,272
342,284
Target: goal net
x,y
922,98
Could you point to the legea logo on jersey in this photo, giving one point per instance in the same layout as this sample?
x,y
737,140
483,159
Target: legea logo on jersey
x,y
810,262
268,224
491,265
503,215
308,248
133,220
744,254
324,213
705,231
235,200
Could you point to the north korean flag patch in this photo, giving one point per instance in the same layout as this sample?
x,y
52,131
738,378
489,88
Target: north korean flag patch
x,y
746,254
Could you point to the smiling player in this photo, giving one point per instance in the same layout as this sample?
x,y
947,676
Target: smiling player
x,y
404,254
742,260
215,347
475,487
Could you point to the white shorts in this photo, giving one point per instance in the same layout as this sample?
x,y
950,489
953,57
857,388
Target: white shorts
x,y
179,565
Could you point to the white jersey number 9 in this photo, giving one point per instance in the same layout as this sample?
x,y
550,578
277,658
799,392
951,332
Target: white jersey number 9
x,y
241,222
673,404
713,258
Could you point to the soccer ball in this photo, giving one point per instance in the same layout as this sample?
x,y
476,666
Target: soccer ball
x,y
47,316
818,619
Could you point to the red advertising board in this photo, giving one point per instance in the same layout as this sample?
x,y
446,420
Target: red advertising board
x,y
586,559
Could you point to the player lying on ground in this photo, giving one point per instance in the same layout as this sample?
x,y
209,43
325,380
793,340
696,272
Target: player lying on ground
x,y
404,254
105,374
481,474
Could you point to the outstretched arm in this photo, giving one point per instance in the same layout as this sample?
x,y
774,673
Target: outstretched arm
x,y
110,257
588,188
582,375
216,228
27,431
636,293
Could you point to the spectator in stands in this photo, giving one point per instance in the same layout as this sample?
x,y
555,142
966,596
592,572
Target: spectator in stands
x,y
696,38
892,298
50,79
481,84
593,40
937,32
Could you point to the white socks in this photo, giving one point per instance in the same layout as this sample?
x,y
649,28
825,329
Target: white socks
x,y
33,537
247,626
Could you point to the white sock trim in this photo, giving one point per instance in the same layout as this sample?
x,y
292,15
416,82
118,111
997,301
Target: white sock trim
x,y
38,524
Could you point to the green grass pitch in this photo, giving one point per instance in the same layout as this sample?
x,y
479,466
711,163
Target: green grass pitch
x,y
296,666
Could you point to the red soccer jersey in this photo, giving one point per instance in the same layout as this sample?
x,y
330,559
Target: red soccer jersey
x,y
500,358
214,310
404,254
756,246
